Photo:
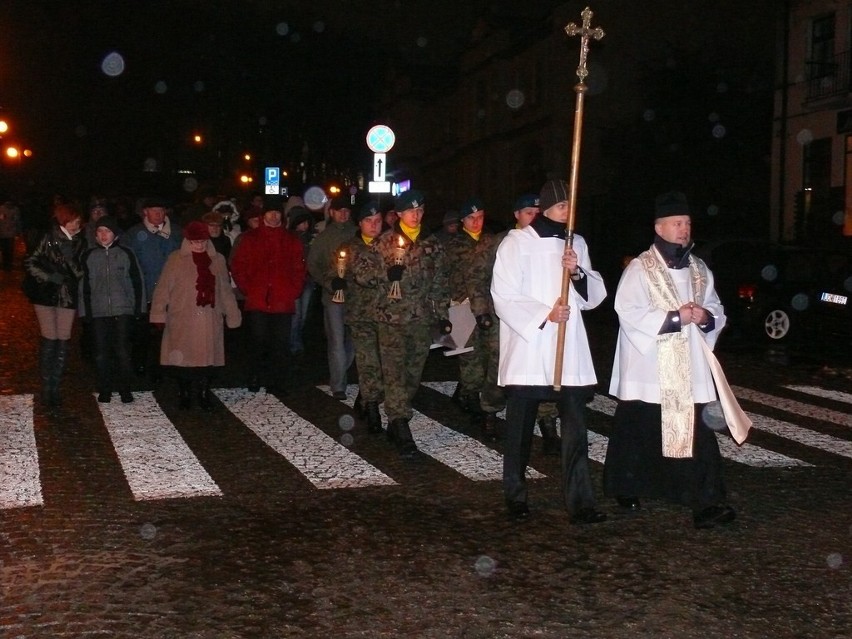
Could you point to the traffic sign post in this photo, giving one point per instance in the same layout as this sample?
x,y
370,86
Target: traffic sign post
x,y
380,140
272,179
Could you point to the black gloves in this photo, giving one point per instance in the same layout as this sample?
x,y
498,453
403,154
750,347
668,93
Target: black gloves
x,y
395,272
446,326
338,284
484,321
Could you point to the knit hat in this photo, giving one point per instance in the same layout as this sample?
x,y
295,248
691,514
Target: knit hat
x,y
196,230
553,192
297,215
471,206
450,217
527,200
273,203
213,217
341,202
671,203
409,200
368,210
253,212
108,221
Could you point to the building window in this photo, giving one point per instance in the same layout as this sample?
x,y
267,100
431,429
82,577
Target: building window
x,y
821,59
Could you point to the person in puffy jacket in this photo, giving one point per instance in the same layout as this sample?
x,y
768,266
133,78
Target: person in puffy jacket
x,y
268,267
51,284
112,295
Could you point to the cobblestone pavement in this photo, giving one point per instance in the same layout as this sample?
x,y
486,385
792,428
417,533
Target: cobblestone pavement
x,y
277,552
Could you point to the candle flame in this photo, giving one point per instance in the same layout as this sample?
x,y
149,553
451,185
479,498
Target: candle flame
x,y
401,241
342,253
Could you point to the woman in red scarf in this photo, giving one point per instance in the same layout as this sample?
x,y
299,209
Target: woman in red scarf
x,y
192,299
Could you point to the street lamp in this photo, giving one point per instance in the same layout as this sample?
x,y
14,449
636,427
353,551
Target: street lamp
x,y
4,127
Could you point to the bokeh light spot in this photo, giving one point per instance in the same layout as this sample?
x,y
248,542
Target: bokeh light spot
x,y
113,64
422,42
485,566
769,273
319,26
148,531
347,440
713,210
515,99
282,28
346,422
834,560
719,131
648,115
161,87
198,86
190,185
149,165
800,301
805,136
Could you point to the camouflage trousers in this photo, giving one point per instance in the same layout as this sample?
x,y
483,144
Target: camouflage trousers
x,y
403,350
365,339
478,368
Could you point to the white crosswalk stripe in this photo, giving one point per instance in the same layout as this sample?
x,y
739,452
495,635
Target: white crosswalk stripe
x,y
792,406
463,454
325,462
19,475
838,396
155,459
158,463
745,454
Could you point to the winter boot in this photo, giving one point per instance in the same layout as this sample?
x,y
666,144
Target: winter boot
x,y
46,354
405,445
374,419
184,394
60,359
551,444
205,395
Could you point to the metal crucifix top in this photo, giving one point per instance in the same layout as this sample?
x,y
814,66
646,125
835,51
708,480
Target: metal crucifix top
x,y
585,31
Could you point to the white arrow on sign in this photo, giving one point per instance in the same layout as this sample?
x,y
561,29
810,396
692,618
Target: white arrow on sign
x,y
379,166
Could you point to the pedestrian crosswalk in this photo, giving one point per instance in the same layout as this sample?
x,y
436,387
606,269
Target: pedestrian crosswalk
x,y
158,463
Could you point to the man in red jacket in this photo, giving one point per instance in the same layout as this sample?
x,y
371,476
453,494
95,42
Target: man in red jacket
x,y
268,267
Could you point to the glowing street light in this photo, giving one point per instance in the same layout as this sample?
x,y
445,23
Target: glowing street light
x,y
12,152
4,127
197,138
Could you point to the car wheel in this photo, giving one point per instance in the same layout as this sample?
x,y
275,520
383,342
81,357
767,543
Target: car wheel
x,y
776,324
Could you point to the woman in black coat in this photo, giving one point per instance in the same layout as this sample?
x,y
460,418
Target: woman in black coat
x,y
53,272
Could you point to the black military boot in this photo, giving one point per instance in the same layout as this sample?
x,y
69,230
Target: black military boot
x,y
551,444
184,394
46,354
205,395
374,419
489,427
359,408
405,445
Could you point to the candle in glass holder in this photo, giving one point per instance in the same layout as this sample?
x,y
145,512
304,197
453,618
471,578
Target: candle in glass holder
x,y
395,292
341,272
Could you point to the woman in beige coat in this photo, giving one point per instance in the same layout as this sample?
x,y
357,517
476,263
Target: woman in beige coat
x,y
192,297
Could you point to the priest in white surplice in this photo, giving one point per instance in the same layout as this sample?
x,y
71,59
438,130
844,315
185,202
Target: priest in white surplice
x,y
667,306
526,287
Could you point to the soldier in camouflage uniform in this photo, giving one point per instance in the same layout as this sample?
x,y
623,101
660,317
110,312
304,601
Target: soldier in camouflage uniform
x,y
470,262
360,312
405,324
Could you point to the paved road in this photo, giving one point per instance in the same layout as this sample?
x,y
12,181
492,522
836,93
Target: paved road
x,y
279,517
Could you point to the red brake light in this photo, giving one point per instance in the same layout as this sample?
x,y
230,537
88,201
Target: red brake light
x,y
746,291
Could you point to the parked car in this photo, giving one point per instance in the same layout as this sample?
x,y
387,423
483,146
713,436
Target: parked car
x,y
781,293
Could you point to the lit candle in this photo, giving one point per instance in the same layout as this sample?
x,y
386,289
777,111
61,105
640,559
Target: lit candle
x,y
341,272
395,292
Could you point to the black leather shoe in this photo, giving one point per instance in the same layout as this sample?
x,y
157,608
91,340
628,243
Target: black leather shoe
x,y
339,395
518,510
587,516
126,397
629,503
712,515
104,397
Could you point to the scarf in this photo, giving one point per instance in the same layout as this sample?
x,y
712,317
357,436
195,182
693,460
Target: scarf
x,y
205,282
673,361
163,230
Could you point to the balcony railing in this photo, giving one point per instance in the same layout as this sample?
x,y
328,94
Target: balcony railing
x,y
829,78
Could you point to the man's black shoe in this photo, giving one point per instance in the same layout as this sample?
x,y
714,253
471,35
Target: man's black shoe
x,y
518,510
712,515
339,395
587,516
629,503
104,397
126,397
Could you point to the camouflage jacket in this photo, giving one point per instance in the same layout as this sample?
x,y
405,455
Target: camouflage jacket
x,y
425,296
470,264
361,301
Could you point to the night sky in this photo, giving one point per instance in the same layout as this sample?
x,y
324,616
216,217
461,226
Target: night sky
x,y
268,76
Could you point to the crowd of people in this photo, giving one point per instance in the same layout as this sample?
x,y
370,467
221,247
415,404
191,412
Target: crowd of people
x,y
156,294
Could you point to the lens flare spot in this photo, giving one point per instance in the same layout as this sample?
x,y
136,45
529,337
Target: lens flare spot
x,y
113,64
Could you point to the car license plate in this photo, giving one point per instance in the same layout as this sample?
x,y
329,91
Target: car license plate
x,y
833,298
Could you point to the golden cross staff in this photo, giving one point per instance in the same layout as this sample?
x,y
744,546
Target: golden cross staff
x,y
582,72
